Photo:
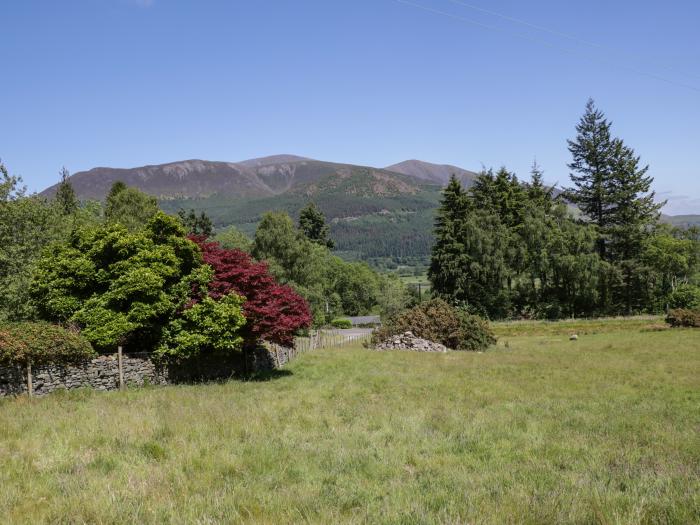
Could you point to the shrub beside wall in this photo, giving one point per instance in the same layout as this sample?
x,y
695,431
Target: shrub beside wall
x,y
41,343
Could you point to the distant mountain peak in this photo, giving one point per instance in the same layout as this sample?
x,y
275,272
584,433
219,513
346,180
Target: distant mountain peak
x,y
431,172
272,159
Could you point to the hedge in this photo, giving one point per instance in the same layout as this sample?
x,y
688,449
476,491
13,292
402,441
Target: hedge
x,y
41,343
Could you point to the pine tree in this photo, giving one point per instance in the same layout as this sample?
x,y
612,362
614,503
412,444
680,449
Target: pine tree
x,y
313,225
65,195
592,162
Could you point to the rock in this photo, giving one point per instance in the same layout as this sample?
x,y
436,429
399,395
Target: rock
x,y
574,337
408,341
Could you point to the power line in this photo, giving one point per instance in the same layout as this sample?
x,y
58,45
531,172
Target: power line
x,y
562,34
525,36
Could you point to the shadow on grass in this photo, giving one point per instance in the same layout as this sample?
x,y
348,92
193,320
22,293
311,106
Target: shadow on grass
x,y
268,375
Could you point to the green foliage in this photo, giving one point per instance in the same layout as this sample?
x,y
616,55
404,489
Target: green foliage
x,y
209,325
684,318
341,323
27,225
233,239
196,224
393,296
437,321
129,207
41,343
685,296
614,193
361,227
330,285
119,286
313,225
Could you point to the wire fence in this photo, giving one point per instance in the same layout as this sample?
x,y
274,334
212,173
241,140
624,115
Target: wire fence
x,y
329,339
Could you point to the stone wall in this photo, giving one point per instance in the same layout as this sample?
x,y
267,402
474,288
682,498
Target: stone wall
x,y
102,373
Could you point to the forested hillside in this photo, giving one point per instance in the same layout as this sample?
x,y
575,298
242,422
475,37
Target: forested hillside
x,y
384,216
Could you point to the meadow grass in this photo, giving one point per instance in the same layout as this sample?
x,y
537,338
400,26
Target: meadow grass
x,y
605,429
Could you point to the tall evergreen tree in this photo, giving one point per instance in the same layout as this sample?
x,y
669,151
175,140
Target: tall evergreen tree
x,y
447,271
65,195
592,154
634,214
313,225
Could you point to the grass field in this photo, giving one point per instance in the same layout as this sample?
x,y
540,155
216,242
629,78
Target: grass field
x,y
605,429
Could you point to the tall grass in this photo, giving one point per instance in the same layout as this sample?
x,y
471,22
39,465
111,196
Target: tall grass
x,y
601,430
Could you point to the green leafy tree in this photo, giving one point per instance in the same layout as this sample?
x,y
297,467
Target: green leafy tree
x,y
128,206
232,238
27,225
312,223
393,297
196,224
65,195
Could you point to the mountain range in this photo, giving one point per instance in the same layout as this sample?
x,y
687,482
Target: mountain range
x,y
375,213
263,177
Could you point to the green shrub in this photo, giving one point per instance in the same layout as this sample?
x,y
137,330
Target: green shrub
x,y
683,317
41,343
437,321
685,296
208,326
341,323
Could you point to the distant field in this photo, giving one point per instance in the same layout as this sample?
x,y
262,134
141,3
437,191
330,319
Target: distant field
x,y
605,429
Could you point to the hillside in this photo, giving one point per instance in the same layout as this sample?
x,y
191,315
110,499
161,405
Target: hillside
x,y
375,214
359,201
263,177
682,221
433,173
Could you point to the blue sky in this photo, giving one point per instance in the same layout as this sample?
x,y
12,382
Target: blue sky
x,y
125,83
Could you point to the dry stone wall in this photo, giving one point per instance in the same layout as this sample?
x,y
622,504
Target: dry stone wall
x,y
102,373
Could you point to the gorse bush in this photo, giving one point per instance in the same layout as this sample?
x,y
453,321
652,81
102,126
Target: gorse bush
x,y
683,317
41,343
437,321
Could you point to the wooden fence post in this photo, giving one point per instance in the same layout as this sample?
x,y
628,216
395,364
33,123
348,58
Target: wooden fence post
x,y
120,364
30,385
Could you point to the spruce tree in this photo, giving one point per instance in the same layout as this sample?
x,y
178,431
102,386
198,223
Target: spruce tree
x,y
65,194
592,154
313,225
447,269
538,194
635,214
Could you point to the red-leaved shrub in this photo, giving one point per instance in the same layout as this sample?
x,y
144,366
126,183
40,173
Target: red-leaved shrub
x,y
274,312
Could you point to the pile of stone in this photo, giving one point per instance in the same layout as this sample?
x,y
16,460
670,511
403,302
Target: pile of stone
x,y
408,341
